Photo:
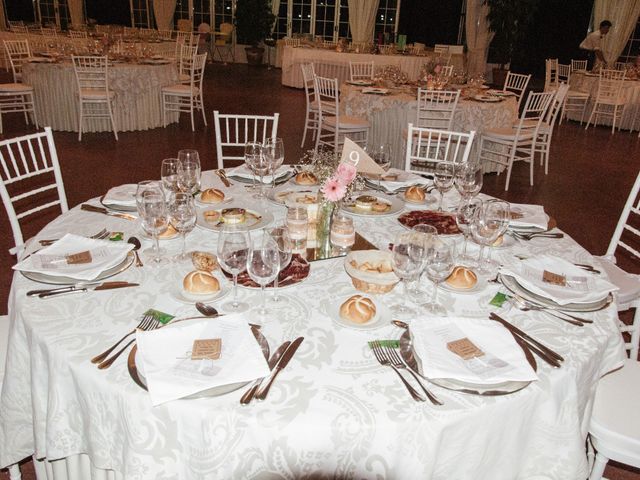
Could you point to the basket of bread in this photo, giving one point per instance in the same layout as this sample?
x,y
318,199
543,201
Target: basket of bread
x,y
371,271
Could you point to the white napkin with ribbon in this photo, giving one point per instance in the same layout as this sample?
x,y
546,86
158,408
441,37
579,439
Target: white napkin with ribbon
x,y
52,260
123,195
580,287
242,171
530,216
502,358
395,179
165,356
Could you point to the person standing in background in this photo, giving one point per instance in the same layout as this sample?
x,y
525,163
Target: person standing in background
x,y
593,44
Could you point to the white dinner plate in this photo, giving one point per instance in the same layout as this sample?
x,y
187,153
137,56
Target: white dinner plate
x,y
281,196
480,285
179,294
255,220
397,205
380,319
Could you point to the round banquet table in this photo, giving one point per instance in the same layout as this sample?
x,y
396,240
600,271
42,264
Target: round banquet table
x,y
389,116
138,103
334,412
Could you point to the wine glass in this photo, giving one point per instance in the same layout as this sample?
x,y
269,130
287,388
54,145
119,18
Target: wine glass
x,y
252,150
407,262
189,155
144,186
182,215
152,209
233,249
468,179
429,235
285,250
489,222
169,174
440,264
381,154
261,166
464,218
188,179
263,264
274,151
443,180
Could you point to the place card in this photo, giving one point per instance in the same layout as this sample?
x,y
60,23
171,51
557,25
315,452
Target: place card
x,y
516,215
206,349
464,348
78,258
554,278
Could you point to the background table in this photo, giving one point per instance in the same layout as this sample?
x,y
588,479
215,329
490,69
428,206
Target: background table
x,y
389,116
333,64
138,103
334,412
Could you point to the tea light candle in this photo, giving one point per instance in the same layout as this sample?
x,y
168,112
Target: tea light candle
x,y
297,223
343,233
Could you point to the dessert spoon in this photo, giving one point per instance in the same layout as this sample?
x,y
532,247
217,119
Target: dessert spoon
x,y
136,246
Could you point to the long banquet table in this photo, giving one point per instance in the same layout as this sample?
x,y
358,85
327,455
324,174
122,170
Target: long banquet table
x,y
333,64
137,87
332,413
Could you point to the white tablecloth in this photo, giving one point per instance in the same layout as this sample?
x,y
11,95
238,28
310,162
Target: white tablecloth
x,y
138,103
332,64
587,82
332,413
389,116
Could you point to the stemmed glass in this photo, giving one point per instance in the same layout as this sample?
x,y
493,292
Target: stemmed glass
x,y
381,154
233,249
285,246
188,179
144,186
263,264
182,214
252,150
261,166
468,180
464,218
443,180
489,222
152,209
169,174
407,260
429,235
188,155
439,266
274,151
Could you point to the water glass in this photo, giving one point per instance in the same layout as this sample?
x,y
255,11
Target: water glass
x,y
407,261
381,154
429,236
169,174
263,264
490,221
189,155
285,249
468,179
298,226
143,187
188,179
152,209
252,150
182,215
464,218
274,151
233,249
440,264
443,180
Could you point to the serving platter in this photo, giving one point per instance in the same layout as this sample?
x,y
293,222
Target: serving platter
x,y
445,223
297,271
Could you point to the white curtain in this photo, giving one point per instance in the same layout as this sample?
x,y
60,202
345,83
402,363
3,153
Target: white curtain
x,y
623,14
362,19
76,11
478,36
163,11
275,9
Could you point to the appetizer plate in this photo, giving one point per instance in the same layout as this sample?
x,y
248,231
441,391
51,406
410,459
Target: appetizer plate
x,y
200,203
254,220
480,285
287,196
444,222
395,205
279,180
381,318
117,207
182,296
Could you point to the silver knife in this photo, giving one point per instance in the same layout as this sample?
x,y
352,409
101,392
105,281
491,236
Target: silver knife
x,y
91,208
273,361
86,288
288,355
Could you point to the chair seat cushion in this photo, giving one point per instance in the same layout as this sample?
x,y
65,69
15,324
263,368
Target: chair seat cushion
x,y
179,89
347,122
95,94
628,284
15,88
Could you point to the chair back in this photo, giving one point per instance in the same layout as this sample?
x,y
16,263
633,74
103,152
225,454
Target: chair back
x,y
534,113
440,49
18,52
186,58
327,98
329,44
620,65
627,233
130,31
31,180
165,34
556,104
308,78
91,73
21,29
551,74
426,147
184,37
578,65
516,83
446,70
196,72
77,34
610,85
234,131
360,71
564,73
415,49
436,108
291,42
48,32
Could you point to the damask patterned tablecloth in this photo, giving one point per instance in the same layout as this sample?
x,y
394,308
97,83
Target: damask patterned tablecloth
x,y
138,103
334,412
588,83
333,64
389,116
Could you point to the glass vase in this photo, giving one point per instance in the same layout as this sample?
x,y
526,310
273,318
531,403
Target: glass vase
x,y
323,228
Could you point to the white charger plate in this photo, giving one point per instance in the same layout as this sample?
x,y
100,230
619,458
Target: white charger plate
x,y
256,220
178,294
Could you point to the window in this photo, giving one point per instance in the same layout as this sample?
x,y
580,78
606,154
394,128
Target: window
x,y
325,18
140,16
201,12
301,16
282,22
632,49
386,19
183,10
343,20
224,12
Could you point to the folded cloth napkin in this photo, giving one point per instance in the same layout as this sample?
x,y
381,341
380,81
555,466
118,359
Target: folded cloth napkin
x,y
395,179
54,261
578,286
528,216
440,345
123,195
243,171
165,357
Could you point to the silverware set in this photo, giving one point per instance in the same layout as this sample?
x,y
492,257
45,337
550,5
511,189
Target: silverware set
x,y
79,287
91,208
525,305
101,235
532,235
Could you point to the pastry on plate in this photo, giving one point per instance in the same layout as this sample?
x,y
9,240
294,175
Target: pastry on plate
x,y
211,216
365,202
204,261
200,283
415,194
234,215
306,178
358,309
462,278
380,207
212,195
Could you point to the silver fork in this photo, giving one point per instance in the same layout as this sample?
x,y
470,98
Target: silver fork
x,y
145,324
397,362
384,361
101,235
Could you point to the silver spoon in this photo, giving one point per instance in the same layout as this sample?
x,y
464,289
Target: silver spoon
x,y
207,310
136,246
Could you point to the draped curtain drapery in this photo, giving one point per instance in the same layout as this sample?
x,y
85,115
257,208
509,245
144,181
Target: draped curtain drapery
x,y
623,14
478,36
362,19
76,11
275,9
163,11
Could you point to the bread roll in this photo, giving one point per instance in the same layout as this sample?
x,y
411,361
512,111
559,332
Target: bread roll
x,y
462,278
200,283
306,178
170,232
358,309
212,195
211,216
204,261
233,215
380,207
415,194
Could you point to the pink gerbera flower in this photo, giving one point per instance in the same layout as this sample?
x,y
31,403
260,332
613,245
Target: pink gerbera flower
x,y
334,190
346,173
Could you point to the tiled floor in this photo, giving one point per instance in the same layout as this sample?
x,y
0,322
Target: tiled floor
x,y
590,174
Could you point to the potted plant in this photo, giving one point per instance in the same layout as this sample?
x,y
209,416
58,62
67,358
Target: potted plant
x,y
510,21
254,21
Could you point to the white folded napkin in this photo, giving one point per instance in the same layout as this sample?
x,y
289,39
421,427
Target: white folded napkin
x,y
532,216
502,360
396,178
123,195
165,356
581,286
52,260
242,171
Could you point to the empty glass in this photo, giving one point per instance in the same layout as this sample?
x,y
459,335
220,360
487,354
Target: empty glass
x,y
169,174
233,250
182,214
464,218
152,209
443,180
429,235
440,264
189,155
381,154
188,179
490,221
252,150
285,249
407,260
274,151
468,179
153,186
263,264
